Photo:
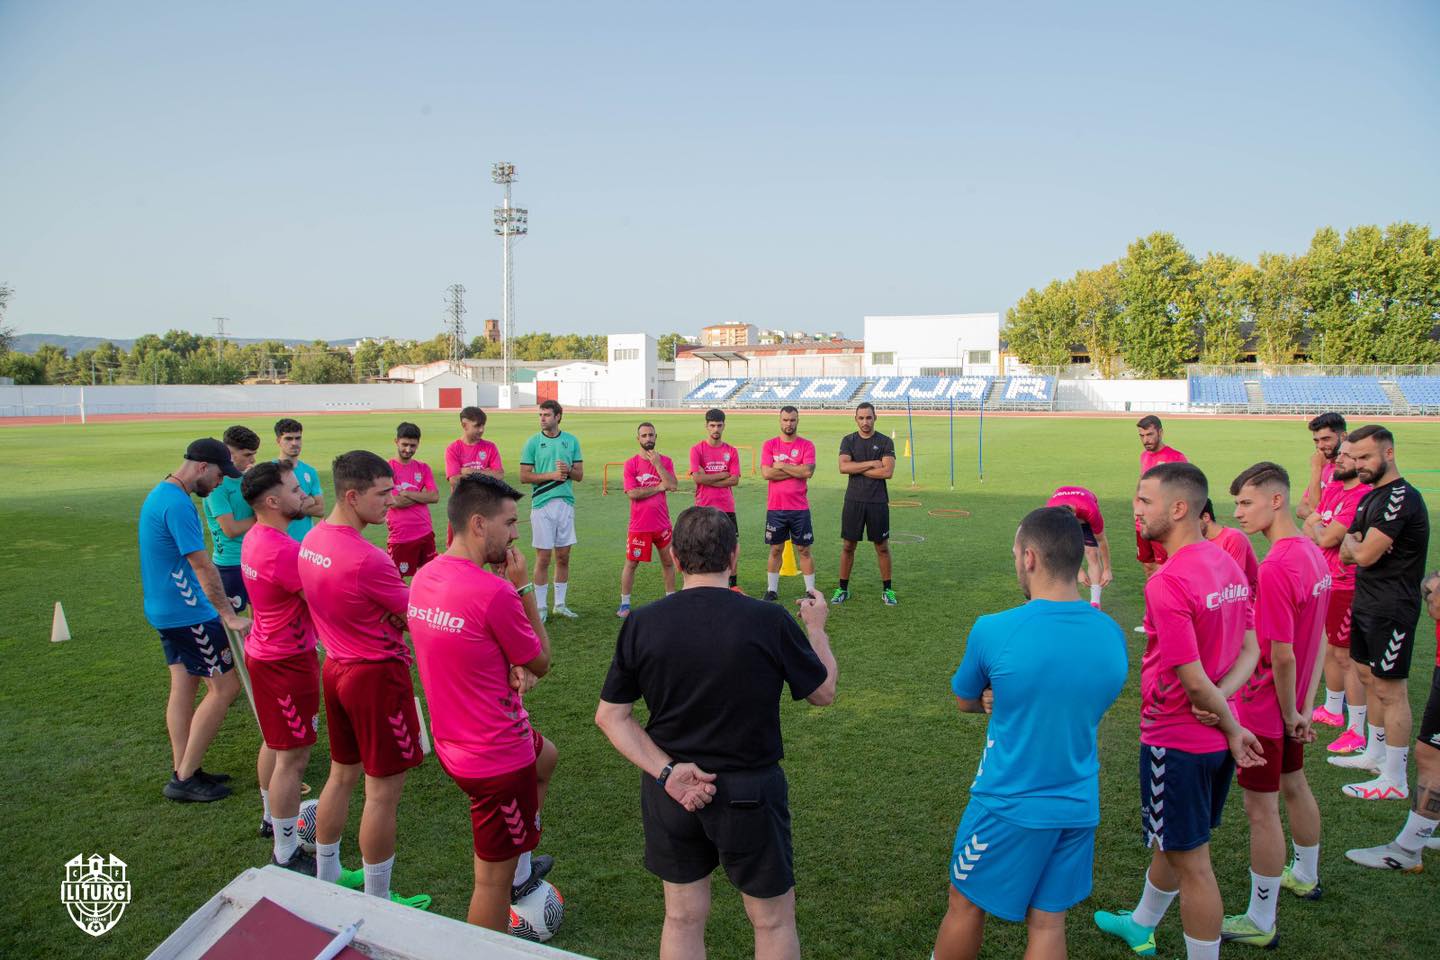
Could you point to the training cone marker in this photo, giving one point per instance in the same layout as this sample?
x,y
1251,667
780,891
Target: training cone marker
x,y
59,629
424,733
787,562
907,448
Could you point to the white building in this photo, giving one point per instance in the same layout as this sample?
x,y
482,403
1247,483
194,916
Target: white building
x,y
634,374
936,345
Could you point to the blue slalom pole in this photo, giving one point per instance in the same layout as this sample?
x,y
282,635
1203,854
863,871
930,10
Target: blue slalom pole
x,y
981,447
952,443
910,416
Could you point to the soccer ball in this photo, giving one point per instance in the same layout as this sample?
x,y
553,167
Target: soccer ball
x,y
537,915
305,826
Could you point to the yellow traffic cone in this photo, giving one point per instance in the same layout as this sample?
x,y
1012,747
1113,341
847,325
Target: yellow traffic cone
x,y
907,448
59,629
787,562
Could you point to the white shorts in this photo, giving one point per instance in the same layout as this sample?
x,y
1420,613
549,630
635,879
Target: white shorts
x,y
552,524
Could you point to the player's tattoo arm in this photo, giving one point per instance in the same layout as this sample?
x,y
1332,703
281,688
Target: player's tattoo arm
x,y
1427,800
214,589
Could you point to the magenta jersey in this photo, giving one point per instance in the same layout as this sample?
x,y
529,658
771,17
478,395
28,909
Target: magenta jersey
x,y
1294,595
482,454
1083,502
790,493
1338,505
270,564
353,590
708,459
650,514
412,522
1196,609
1237,545
1327,473
469,627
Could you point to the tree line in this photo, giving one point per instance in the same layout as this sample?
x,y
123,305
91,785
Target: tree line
x,y
1371,296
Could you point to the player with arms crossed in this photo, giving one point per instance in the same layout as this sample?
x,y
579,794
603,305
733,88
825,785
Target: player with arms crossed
x,y
229,516
1025,847
480,646
471,453
358,603
868,459
715,468
551,462
1328,432
411,539
787,462
1153,451
649,476
290,438
1096,574
1199,649
1290,610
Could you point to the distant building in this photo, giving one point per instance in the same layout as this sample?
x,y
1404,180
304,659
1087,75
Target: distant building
x,y
492,330
936,345
729,335
813,358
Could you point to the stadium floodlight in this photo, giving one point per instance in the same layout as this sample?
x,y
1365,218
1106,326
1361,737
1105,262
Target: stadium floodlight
x,y
511,222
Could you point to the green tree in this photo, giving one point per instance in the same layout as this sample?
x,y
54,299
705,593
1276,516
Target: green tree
x,y
1374,295
320,364
1224,288
24,369
182,342
159,365
1098,310
7,333
1157,278
1279,308
59,368
668,345
1041,328
209,368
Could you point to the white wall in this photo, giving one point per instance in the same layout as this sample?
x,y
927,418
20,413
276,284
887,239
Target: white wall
x,y
180,398
935,340
632,383
1144,396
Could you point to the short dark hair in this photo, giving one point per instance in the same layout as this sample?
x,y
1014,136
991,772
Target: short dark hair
x,y
865,405
789,409
1054,533
358,470
262,478
474,415
241,438
287,425
407,431
1149,421
1262,474
477,493
643,424
704,541
1184,479
554,407
1208,510
714,415
1382,436
1328,421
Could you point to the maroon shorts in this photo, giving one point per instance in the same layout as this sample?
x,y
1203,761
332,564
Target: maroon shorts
x,y
637,546
287,699
1149,551
504,810
411,555
1337,618
370,715
1280,757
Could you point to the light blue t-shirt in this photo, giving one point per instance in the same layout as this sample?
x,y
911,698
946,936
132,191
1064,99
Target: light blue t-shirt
x,y
309,482
222,500
169,530
1055,668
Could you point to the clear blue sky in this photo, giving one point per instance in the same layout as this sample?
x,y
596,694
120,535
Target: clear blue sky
x,y
321,169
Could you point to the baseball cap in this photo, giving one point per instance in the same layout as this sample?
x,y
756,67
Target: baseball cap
x,y
210,450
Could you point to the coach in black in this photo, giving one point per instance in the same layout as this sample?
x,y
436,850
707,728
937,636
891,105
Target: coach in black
x,y
868,459
711,665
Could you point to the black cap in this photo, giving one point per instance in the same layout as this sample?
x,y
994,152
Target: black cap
x,y
210,450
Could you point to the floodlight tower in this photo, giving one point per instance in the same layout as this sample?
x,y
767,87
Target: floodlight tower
x,y
510,223
455,323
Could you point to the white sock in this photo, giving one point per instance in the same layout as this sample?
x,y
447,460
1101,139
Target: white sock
x,y
542,592
265,805
1375,745
669,593
1394,769
1153,904
772,582
286,839
1306,865
1201,949
1263,893
327,862
1417,830
1095,589
522,869
560,586
624,599
377,878
809,582
1357,719
1334,700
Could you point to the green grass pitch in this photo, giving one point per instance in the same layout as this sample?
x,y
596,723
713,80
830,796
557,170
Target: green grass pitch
x,y
877,781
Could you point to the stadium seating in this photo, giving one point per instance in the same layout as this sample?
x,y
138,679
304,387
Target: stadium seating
x,y
1028,393
714,390
929,391
1422,392
1217,391
800,391
1313,393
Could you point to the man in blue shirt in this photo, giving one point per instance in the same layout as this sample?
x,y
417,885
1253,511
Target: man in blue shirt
x,y
289,437
182,594
1025,847
229,517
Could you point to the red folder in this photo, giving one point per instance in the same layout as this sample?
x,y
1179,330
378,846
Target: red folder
x,y
269,930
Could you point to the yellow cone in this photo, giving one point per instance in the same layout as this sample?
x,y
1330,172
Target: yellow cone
x,y
907,448
787,562
59,629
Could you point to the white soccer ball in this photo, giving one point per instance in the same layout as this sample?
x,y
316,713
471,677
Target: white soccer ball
x,y
305,826
537,915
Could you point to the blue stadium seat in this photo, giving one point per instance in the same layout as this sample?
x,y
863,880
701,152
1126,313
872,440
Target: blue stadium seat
x,y
1217,391
1029,391
801,391
929,391
714,390
1420,391
1313,392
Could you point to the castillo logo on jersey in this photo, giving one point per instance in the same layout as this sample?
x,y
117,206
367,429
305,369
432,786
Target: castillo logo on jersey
x,y
1230,594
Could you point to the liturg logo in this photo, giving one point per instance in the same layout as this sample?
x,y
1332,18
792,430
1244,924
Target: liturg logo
x,y
95,892
437,618
1231,593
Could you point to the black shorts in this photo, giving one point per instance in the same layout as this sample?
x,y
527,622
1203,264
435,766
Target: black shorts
x,y
234,582
745,829
1182,795
1088,534
734,523
1385,643
203,649
782,525
865,521
1430,722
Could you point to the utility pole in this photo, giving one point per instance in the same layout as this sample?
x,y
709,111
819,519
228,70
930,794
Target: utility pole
x,y
455,323
510,223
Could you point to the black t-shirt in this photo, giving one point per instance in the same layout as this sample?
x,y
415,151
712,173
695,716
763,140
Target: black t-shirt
x,y
877,446
1393,582
710,665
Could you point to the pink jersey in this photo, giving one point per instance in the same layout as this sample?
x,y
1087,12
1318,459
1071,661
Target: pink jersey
x,y
1327,473
790,493
1083,502
649,514
469,627
482,454
1148,460
708,459
269,562
353,590
412,522
1196,609
1338,505
1294,595
1235,543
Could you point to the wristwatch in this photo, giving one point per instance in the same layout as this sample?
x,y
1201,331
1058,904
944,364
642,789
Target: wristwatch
x,y
665,773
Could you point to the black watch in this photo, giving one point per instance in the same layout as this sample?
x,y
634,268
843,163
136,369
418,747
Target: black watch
x,y
665,773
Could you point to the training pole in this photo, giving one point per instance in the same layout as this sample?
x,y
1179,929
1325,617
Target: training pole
x,y
952,443
914,454
981,440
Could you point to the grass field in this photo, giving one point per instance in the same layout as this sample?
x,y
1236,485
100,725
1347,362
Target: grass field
x,y
877,781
